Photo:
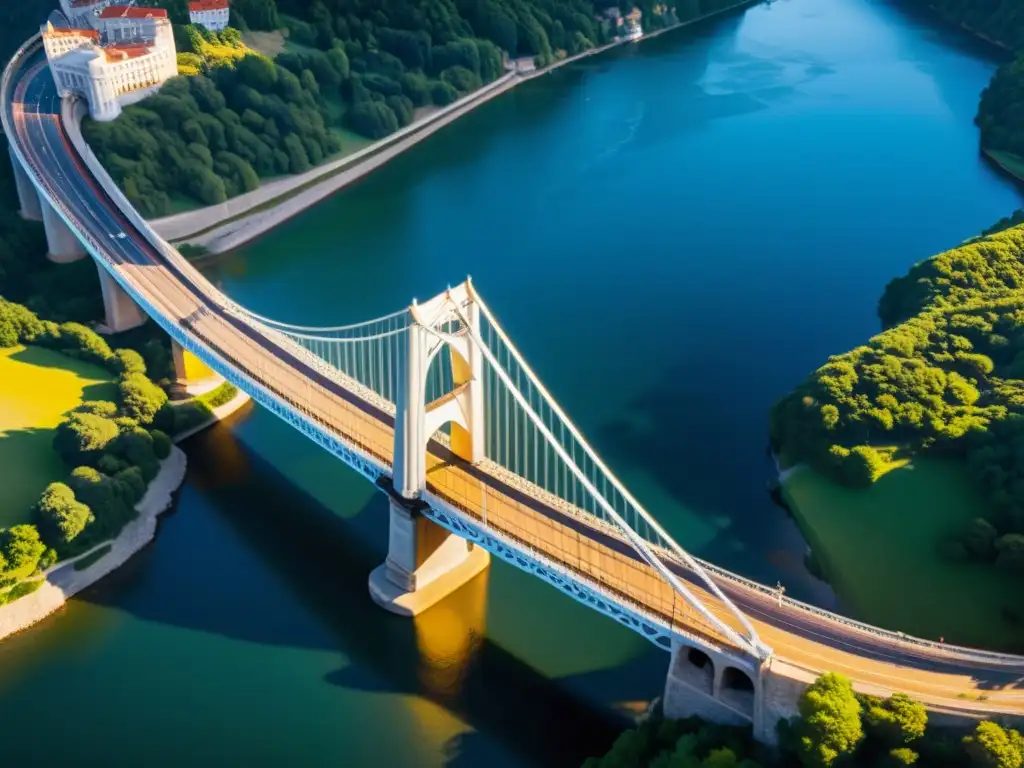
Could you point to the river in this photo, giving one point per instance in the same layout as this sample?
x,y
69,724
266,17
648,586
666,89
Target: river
x,y
673,233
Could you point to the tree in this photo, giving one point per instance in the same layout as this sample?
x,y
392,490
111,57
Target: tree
x,y
896,721
829,725
443,94
140,398
20,550
980,539
373,119
127,361
60,516
83,437
136,447
992,746
161,444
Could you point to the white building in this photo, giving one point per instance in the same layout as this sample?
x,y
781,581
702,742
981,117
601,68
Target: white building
x,y
212,14
128,57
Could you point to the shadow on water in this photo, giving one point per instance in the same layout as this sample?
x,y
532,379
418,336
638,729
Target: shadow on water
x,y
443,655
702,442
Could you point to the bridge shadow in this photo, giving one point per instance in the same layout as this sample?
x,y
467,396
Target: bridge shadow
x,y
193,578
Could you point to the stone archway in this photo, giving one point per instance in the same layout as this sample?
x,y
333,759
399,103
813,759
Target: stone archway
x,y
737,689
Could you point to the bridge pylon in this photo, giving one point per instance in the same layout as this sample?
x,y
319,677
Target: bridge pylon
x,y
426,562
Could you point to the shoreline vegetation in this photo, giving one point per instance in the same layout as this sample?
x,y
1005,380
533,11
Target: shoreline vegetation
x,y
942,385
835,726
112,443
238,219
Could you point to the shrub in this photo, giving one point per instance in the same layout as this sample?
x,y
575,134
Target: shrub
x,y
830,726
60,516
20,550
161,444
442,93
110,465
104,408
75,340
980,539
140,398
222,395
136,447
83,437
127,361
131,484
992,746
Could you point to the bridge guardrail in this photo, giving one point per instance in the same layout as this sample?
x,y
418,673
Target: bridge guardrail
x,y
961,653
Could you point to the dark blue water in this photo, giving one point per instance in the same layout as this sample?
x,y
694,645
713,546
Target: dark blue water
x,y
673,234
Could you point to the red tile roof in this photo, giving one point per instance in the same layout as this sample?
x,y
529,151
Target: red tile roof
x,y
120,52
131,12
92,34
196,6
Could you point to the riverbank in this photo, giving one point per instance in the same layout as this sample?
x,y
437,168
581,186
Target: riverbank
x,y
865,543
231,224
63,580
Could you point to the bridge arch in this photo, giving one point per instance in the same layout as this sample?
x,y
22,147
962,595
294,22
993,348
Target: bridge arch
x,y
737,689
696,668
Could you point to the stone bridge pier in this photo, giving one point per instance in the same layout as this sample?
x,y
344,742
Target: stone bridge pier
x,y
729,689
425,562
192,376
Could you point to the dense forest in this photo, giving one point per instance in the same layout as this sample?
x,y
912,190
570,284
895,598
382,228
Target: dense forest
x,y
835,727
946,376
235,116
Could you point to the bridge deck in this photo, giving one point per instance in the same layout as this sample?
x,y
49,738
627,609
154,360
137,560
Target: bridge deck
x,y
801,638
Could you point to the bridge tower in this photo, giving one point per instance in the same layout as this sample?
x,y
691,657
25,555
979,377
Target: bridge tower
x,y
425,562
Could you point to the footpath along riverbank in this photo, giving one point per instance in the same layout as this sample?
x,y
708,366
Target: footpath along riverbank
x,y
231,224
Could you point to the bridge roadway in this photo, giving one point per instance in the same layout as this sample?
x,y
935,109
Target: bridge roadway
x,y
805,640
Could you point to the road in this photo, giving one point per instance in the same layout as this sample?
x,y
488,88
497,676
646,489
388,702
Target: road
x,y
806,640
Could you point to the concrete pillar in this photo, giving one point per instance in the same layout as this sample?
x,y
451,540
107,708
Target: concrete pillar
x,y
61,243
120,311
192,376
425,563
28,197
475,392
410,413
693,690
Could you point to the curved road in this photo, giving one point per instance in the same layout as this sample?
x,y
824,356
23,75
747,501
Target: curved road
x,y
806,642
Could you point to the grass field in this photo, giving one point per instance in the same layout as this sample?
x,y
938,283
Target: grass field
x,y
879,549
37,386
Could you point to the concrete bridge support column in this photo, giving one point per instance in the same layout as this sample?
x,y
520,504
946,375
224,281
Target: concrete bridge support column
x,y
192,376
120,312
712,684
425,563
61,243
28,199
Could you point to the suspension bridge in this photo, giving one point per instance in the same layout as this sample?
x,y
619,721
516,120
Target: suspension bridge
x,y
436,406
